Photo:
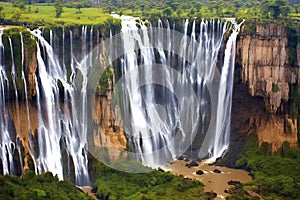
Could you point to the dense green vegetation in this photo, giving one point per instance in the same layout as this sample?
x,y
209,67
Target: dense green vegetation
x,y
274,176
43,14
67,12
246,9
32,186
114,184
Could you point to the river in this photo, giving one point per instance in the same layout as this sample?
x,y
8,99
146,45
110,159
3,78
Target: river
x,y
216,182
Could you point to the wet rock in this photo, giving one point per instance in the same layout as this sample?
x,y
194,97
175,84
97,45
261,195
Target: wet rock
x,y
199,172
94,190
161,170
192,164
188,165
234,183
217,171
180,158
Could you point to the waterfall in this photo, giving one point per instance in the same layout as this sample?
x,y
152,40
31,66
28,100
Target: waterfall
x,y
62,123
175,94
169,102
6,143
59,142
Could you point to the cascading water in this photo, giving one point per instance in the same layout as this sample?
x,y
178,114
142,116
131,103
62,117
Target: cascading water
x,y
62,123
59,142
171,95
6,143
177,90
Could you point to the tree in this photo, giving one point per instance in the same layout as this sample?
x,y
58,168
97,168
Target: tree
x,y
285,10
16,3
78,7
167,11
131,6
297,6
58,8
1,8
276,7
216,5
16,17
22,6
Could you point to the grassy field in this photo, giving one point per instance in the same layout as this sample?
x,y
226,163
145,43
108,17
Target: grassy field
x,y
45,14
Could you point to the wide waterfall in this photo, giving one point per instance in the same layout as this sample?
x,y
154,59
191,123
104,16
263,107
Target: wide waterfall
x,y
176,88
173,91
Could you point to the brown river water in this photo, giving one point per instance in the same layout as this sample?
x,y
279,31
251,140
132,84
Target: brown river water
x,y
216,182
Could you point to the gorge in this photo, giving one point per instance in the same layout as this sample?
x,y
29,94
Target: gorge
x,y
44,74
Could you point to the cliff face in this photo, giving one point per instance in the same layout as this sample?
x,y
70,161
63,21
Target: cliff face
x,y
22,113
108,132
264,66
30,70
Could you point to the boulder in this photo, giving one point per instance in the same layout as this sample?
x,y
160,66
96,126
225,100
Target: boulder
x,y
199,172
217,171
192,164
180,158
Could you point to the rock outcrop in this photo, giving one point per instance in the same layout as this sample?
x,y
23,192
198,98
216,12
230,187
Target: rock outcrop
x,y
30,65
263,65
108,131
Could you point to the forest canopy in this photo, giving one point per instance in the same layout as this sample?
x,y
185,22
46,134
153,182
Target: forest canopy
x,y
97,11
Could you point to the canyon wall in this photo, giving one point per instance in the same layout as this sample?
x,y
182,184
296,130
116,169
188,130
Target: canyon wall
x,y
265,66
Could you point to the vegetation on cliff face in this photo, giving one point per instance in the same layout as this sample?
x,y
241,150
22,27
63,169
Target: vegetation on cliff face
x,y
14,35
44,186
294,106
105,80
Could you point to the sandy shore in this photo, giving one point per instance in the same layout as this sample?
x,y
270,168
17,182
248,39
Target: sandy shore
x,y
216,182
88,189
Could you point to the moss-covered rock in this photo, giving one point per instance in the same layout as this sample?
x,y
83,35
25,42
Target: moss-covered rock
x,y
12,43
